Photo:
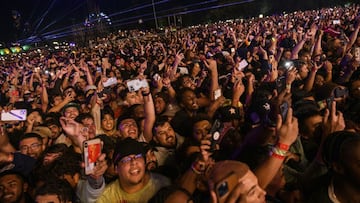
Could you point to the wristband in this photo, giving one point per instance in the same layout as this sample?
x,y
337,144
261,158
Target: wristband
x,y
198,168
283,146
278,151
195,170
313,69
145,94
278,156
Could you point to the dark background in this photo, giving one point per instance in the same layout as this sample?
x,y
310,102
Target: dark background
x,y
44,18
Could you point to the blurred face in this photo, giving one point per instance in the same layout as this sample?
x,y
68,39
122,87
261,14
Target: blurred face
x,y
89,123
151,161
160,105
132,98
303,71
71,112
35,116
189,101
306,57
139,112
12,189
82,83
47,199
108,122
128,128
287,55
250,189
311,125
201,130
14,125
57,100
55,131
319,80
196,69
50,157
131,170
70,91
31,147
187,82
165,135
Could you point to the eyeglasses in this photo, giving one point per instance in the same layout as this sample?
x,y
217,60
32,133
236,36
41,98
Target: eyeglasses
x,y
34,146
128,159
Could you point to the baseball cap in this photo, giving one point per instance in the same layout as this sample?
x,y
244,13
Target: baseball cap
x,y
127,147
43,131
71,104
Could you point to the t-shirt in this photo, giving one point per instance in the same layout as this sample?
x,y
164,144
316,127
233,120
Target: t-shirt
x,y
114,194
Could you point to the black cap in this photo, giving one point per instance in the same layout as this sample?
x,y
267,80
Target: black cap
x,y
127,147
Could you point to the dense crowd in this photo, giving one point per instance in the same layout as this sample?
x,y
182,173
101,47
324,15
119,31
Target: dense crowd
x,y
251,110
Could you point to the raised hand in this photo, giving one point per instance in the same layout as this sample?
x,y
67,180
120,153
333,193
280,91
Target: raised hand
x,y
288,130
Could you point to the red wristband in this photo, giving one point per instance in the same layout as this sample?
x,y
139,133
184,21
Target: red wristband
x,y
283,146
278,156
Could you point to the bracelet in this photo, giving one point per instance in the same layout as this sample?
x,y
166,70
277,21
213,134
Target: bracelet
x,y
195,170
278,156
283,146
278,151
313,69
145,94
198,168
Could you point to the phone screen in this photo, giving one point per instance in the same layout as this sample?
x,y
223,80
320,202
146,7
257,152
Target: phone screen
x,y
92,151
224,187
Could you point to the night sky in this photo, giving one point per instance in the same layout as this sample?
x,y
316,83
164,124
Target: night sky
x,y
67,12
63,13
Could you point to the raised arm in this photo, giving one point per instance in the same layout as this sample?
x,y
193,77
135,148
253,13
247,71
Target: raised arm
x,y
149,113
287,133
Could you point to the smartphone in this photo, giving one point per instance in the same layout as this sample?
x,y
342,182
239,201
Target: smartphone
x,y
284,108
242,65
110,81
156,77
289,65
280,84
232,50
92,151
329,102
340,92
135,85
217,94
224,187
183,70
336,22
215,134
14,115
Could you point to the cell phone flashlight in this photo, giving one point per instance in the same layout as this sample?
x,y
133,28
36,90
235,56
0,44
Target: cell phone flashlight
x,y
289,65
